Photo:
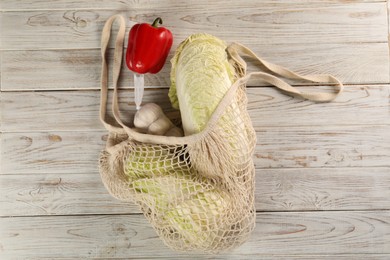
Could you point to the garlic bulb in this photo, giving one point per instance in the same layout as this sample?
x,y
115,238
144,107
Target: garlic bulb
x,y
151,119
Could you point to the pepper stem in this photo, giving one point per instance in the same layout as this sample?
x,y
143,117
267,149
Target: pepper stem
x,y
157,21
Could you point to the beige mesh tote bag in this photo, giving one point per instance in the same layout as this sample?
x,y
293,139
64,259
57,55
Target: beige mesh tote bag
x,y
196,191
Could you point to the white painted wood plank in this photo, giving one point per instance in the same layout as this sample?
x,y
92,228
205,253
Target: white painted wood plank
x,y
276,190
131,236
249,23
247,256
1,67
63,152
52,70
11,5
323,146
388,27
67,110
78,110
58,194
308,189
277,147
356,105
53,172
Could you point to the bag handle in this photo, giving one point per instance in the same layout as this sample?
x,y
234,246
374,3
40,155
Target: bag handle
x,y
233,50
116,70
118,53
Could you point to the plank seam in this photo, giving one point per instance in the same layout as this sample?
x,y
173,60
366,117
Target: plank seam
x,y
256,168
131,8
152,88
4,131
94,48
111,48
258,212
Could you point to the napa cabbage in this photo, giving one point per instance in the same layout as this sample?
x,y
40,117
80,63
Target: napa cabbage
x,y
201,68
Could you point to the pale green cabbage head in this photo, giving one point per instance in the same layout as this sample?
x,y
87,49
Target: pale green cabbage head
x,y
200,77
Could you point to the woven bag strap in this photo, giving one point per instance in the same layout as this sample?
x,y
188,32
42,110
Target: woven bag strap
x,y
116,70
235,48
118,53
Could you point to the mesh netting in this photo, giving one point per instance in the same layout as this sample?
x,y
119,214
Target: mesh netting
x,y
198,195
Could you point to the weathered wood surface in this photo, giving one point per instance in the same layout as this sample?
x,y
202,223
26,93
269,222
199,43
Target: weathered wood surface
x,y
131,236
12,5
353,60
323,146
276,190
249,23
78,110
322,170
277,147
65,152
353,63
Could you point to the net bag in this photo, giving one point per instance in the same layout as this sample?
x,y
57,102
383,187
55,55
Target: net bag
x,y
196,191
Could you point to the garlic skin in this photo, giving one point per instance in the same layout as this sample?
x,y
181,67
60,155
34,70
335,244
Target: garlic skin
x,y
146,115
160,126
152,120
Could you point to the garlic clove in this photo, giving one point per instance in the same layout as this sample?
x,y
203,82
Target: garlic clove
x,y
147,114
160,126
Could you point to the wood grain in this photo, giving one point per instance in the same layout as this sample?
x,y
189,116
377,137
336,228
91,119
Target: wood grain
x,y
277,147
352,63
59,152
355,106
388,25
276,190
131,236
323,146
12,5
58,194
249,23
78,110
253,256
1,68
322,170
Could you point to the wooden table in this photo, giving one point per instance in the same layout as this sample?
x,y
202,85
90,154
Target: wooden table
x,y
322,170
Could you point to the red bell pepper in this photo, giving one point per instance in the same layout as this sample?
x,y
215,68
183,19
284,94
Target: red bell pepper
x,y
148,47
